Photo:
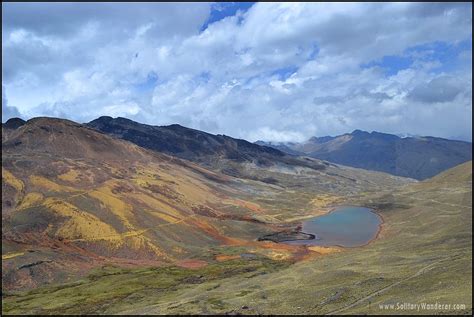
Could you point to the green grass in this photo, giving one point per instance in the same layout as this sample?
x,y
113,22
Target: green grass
x,y
111,289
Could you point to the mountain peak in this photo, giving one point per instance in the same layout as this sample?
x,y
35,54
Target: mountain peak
x,y
105,118
71,139
175,126
359,132
14,123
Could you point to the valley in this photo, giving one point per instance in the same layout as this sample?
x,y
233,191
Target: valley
x,y
93,219
236,158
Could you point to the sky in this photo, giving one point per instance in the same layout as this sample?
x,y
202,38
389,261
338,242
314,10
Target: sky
x,y
276,72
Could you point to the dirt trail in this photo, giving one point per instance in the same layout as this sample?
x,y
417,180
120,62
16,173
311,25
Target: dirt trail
x,y
386,288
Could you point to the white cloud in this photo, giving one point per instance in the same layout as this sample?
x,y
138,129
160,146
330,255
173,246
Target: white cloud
x,y
270,134
122,109
279,70
7,111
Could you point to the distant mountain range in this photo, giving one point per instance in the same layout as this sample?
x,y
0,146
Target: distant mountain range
x,y
414,157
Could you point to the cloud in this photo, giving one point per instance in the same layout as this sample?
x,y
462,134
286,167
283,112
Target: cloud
x,y
439,89
63,20
272,70
270,134
7,111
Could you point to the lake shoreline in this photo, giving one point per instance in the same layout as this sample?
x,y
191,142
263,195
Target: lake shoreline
x,y
299,227
284,236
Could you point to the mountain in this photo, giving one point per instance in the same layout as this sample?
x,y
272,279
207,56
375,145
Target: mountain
x,y
13,123
75,199
93,224
414,157
10,126
181,141
218,152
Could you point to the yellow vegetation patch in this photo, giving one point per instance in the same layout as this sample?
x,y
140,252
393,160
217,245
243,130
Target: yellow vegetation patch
x,y
324,200
279,255
11,180
49,185
192,190
158,206
267,218
185,187
178,250
134,233
324,250
245,204
165,217
114,204
144,176
86,227
140,182
258,212
80,225
30,200
195,193
138,242
69,176
11,255
312,215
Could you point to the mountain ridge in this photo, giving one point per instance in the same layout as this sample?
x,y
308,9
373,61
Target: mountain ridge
x,y
418,157
201,147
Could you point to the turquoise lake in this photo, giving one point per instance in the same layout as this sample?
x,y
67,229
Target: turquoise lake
x,y
345,226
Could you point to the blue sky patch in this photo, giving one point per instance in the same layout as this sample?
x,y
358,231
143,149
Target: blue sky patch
x,y
314,52
205,77
221,10
149,84
285,72
392,64
444,53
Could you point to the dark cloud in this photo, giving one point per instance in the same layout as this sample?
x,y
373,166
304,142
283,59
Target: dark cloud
x,y
440,8
63,19
440,89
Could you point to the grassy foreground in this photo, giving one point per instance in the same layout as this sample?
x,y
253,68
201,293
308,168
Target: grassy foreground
x,y
112,289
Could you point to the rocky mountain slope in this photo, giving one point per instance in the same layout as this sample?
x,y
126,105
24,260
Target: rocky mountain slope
x,y
198,146
414,157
